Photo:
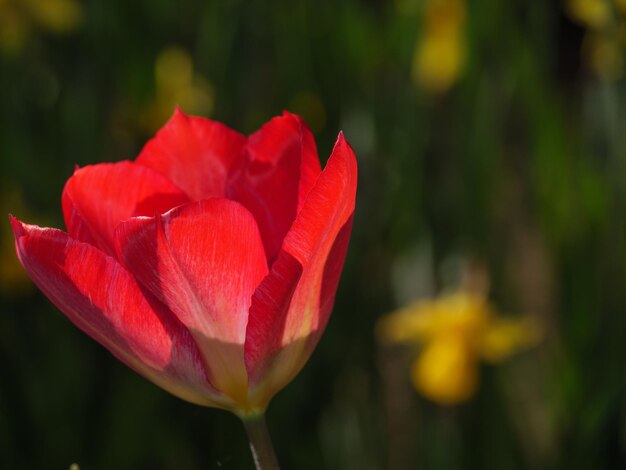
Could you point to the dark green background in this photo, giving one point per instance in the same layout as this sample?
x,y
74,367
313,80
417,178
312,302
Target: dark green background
x,y
521,165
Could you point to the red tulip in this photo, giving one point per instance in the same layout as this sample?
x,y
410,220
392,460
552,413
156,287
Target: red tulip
x,y
208,265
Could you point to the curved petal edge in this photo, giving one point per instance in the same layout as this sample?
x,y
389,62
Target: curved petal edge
x,y
291,307
101,298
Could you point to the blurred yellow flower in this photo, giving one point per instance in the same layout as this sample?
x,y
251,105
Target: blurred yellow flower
x,y
604,44
604,54
456,331
176,84
591,13
447,370
19,18
57,16
439,54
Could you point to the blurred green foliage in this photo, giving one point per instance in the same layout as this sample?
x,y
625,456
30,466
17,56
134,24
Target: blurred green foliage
x,y
519,161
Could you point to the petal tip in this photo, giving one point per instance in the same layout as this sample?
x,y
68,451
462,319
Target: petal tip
x,y
342,144
178,114
289,115
18,227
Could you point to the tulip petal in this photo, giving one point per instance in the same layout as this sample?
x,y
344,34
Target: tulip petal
x,y
195,153
101,298
292,305
204,261
272,179
97,197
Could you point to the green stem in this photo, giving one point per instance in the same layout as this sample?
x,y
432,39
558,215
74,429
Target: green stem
x,y
260,443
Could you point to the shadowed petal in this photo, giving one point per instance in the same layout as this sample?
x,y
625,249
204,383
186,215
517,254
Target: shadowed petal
x,y
97,197
195,153
204,260
272,179
291,307
101,298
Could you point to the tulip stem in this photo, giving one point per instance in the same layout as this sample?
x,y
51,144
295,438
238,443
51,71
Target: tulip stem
x,y
260,443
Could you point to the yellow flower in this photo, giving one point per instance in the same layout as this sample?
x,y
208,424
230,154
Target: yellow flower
x,y
176,84
604,55
604,43
19,18
591,13
440,53
447,370
455,331
57,16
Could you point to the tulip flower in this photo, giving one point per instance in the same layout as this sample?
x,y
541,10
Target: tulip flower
x,y
209,265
